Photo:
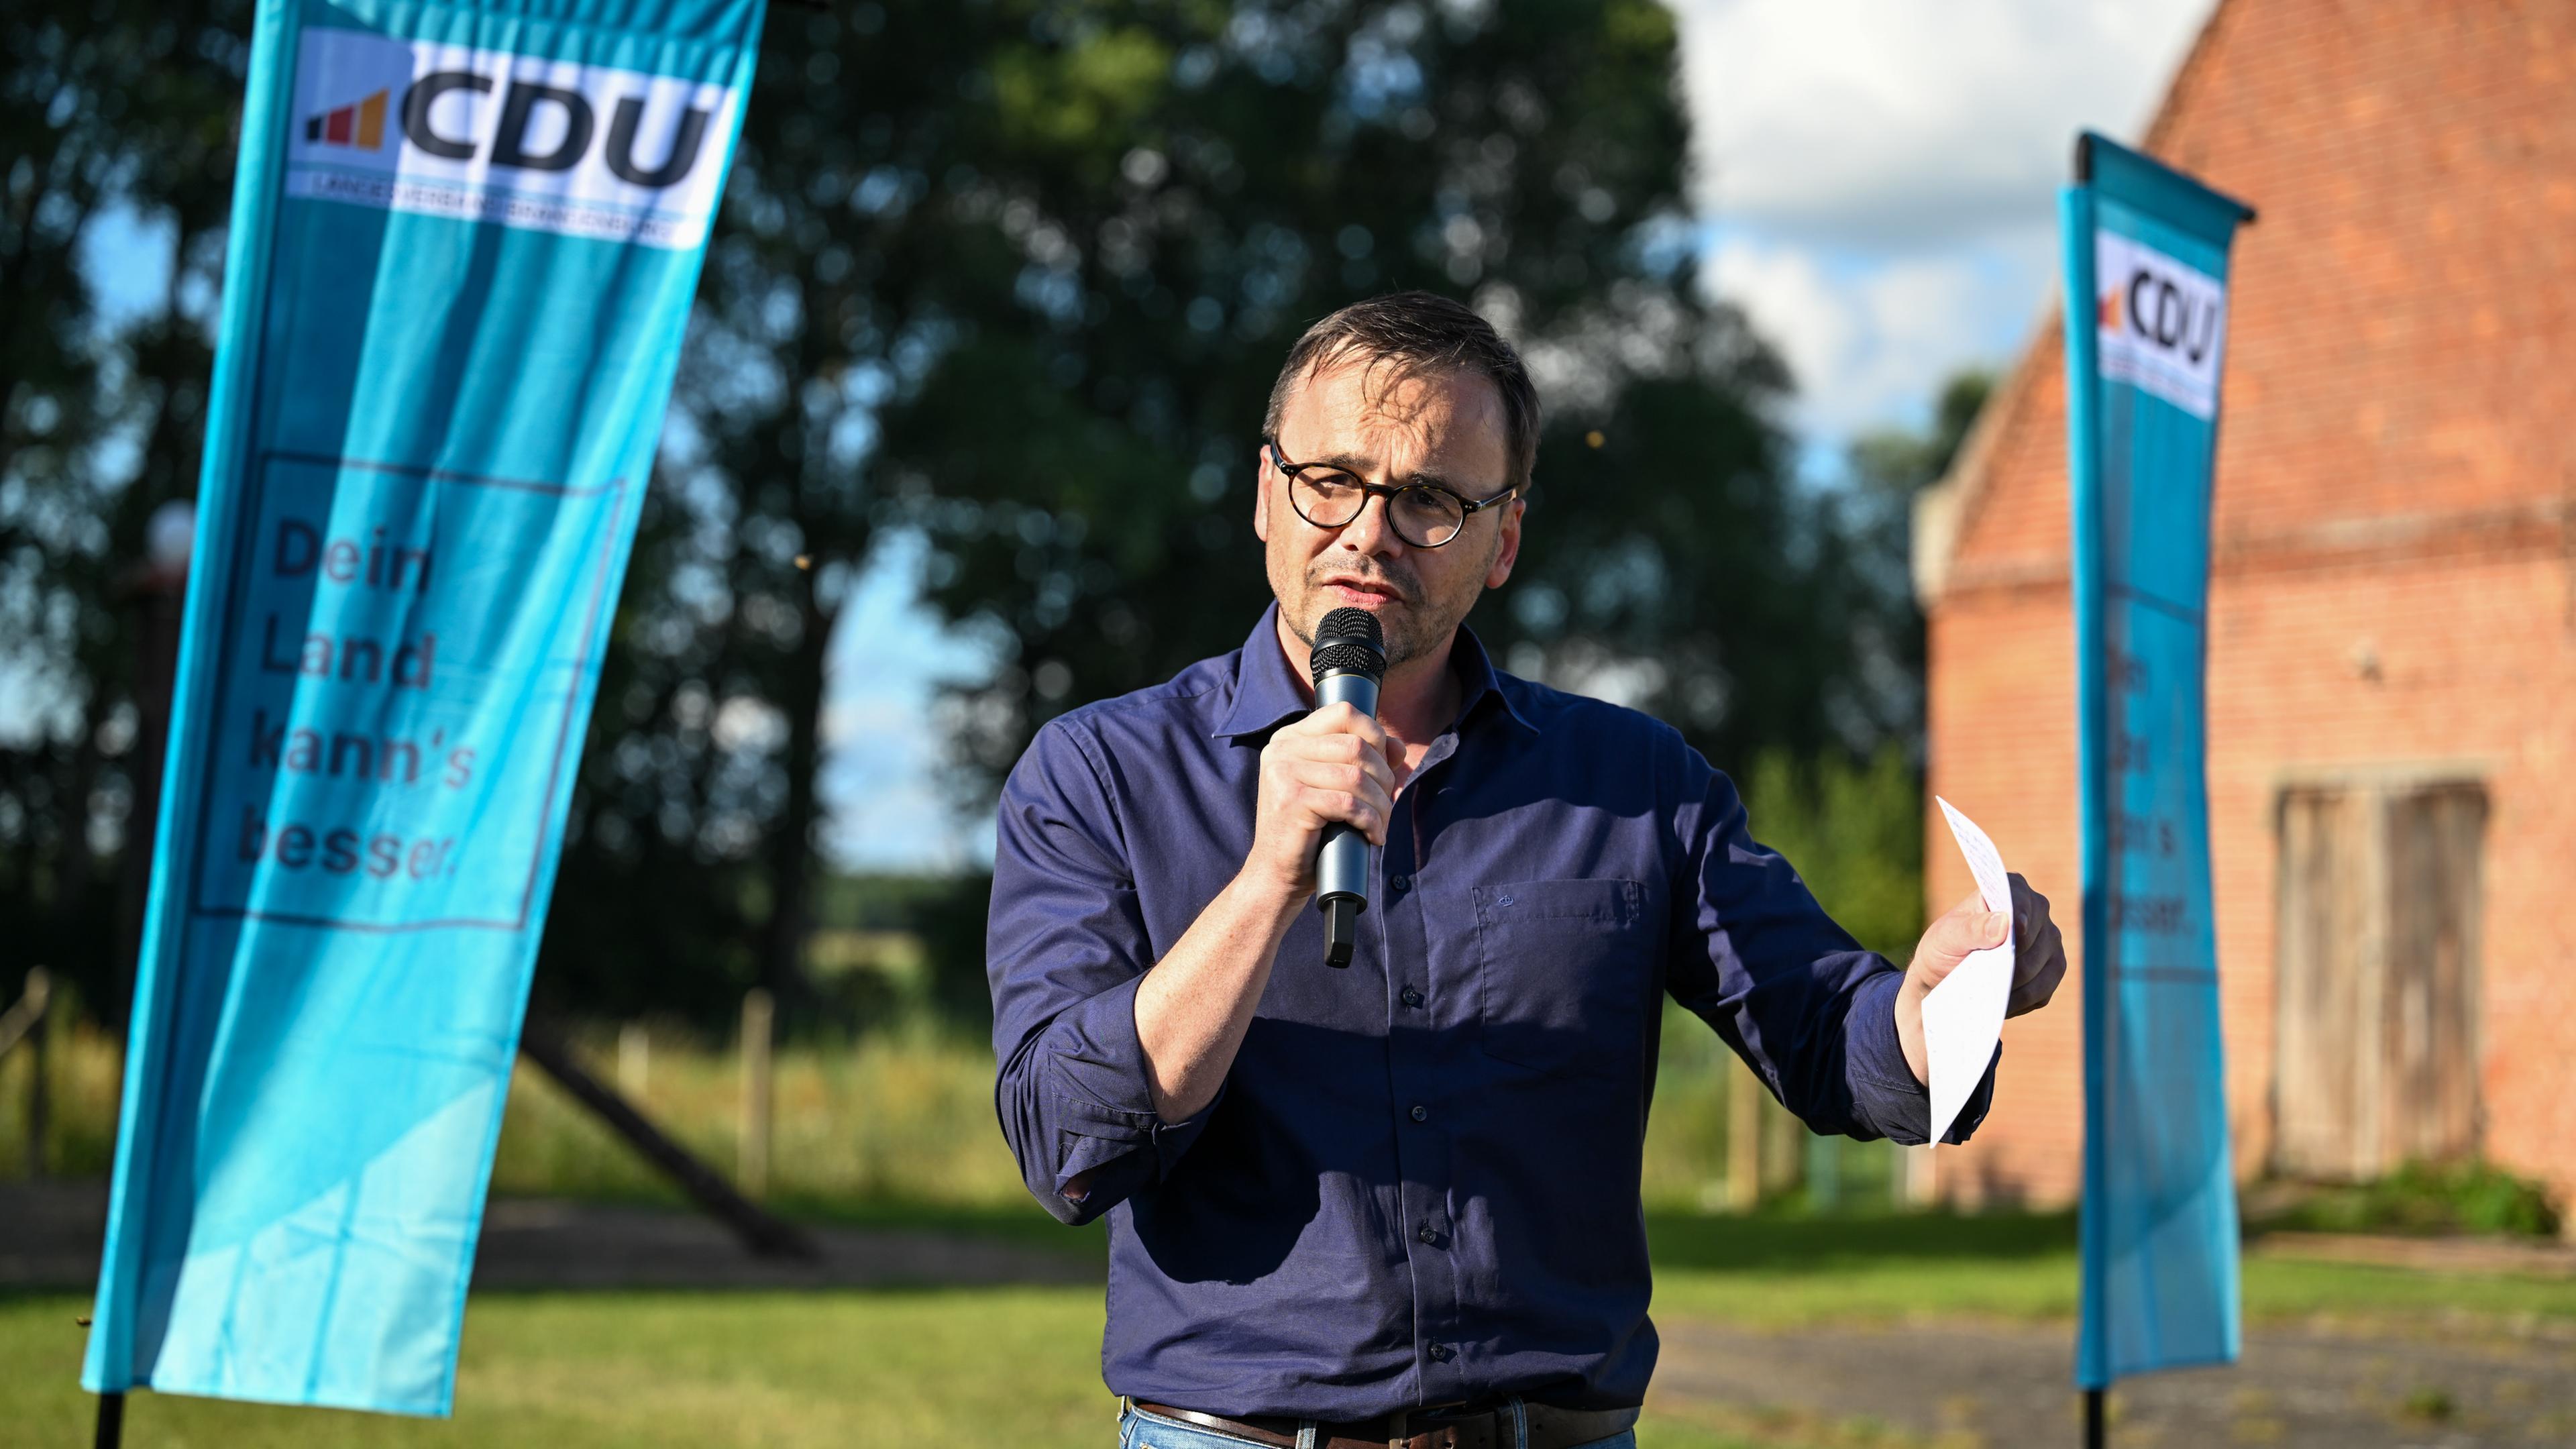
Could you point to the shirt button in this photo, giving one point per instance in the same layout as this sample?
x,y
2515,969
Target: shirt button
x,y
1402,882
1504,899
1442,1353
1428,1234
1421,1113
1411,997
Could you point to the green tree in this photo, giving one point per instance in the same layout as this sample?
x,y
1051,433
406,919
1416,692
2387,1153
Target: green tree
x,y
1018,275
116,122
1853,823
1854,830
1014,274
1875,516
1194,195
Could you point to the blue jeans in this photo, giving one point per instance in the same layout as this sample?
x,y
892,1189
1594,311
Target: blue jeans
x,y
1140,1430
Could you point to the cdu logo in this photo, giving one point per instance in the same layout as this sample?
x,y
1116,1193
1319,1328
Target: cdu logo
x,y
361,125
564,117
2159,323
529,142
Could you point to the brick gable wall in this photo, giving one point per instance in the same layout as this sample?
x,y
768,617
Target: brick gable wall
x,y
2394,542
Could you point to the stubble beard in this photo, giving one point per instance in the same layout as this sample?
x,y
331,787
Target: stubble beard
x,y
1414,625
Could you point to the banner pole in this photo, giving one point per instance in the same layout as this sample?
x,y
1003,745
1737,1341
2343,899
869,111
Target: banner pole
x,y
111,1420
2145,253
2077,222
2083,471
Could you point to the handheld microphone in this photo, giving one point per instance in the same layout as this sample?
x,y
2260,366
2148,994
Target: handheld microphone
x,y
1350,659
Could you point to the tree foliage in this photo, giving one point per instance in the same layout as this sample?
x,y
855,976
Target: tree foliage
x,y
1018,276
1011,277
1853,825
1268,166
116,120
1874,513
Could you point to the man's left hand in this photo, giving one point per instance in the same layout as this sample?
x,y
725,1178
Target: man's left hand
x,y
2039,962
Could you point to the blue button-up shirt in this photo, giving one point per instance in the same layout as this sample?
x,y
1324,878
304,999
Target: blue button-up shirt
x,y
1419,1183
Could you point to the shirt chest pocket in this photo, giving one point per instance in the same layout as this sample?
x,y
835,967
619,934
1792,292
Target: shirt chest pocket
x,y
1564,972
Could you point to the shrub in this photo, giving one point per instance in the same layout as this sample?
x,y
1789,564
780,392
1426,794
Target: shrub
x,y
2426,1197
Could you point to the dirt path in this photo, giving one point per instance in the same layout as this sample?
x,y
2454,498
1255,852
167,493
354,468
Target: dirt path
x,y
1959,1385
50,1235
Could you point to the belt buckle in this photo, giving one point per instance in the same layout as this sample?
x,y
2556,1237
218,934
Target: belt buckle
x,y
1399,1423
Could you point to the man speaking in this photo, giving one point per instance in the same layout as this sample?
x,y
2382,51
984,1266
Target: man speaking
x,y
1397,1203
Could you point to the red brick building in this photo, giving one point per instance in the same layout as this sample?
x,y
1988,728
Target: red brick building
x,y
2392,655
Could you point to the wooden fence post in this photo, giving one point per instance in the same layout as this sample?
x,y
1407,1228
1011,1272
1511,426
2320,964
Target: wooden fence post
x,y
39,996
756,1094
1743,1139
1784,1150
634,1059
759,1231
1914,1185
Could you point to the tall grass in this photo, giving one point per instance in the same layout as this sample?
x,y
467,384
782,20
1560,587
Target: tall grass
x,y
1686,1148
903,1116
84,1073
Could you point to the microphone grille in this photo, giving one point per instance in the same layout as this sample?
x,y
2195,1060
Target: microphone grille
x,y
1349,641
1358,624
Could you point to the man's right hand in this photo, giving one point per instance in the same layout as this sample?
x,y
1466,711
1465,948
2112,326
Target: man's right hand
x,y
1194,1006
1332,766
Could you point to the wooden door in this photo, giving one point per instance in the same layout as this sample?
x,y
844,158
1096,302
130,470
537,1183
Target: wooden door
x,y
2328,975
2376,975
2430,1027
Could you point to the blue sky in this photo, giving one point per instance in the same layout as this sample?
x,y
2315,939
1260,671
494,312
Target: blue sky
x,y
890,810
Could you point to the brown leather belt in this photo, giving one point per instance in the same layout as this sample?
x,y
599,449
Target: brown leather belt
x,y
1549,1428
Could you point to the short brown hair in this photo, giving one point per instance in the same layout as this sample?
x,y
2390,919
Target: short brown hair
x,y
1427,332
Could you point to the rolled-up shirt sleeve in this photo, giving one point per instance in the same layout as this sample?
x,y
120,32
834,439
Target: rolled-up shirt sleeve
x,y
1064,950
1757,958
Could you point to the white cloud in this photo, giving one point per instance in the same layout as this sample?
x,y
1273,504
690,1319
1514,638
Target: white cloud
x,y
1869,338
1785,291
1878,177
1894,124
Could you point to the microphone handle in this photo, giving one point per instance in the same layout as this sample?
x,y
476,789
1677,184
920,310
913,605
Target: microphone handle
x,y
1342,868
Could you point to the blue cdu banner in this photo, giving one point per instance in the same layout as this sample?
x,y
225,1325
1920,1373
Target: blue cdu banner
x,y
464,241
2146,331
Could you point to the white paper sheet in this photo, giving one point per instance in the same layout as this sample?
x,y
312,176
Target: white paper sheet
x,y
1963,1017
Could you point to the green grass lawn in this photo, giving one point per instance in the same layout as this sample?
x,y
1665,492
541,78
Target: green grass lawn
x,y
1785,1271
571,1371
638,1370
607,1371
898,1133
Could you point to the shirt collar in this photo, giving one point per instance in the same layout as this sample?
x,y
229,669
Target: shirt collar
x,y
1266,695
1481,679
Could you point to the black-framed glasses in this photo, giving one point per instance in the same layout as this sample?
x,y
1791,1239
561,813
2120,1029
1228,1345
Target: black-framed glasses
x,y
1424,515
